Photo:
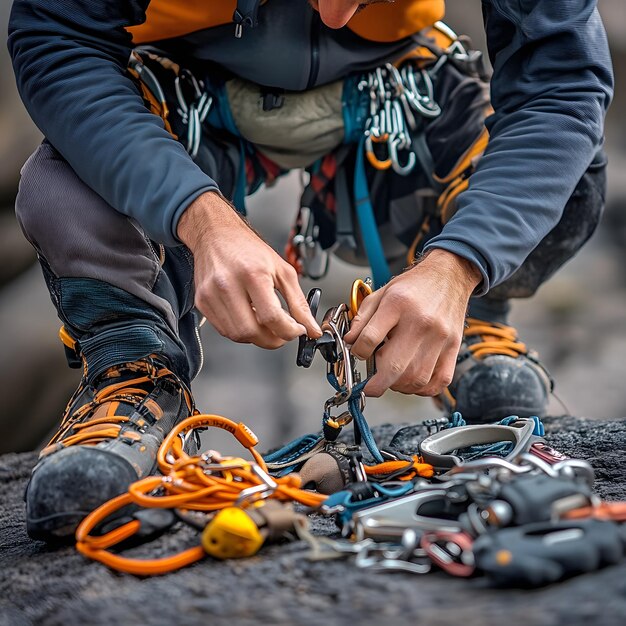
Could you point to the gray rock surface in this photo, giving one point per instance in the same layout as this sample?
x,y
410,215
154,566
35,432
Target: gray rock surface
x,y
48,586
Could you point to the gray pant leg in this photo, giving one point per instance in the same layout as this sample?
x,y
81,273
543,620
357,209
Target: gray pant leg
x,y
104,275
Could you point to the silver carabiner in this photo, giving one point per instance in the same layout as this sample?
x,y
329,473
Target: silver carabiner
x,y
423,103
194,131
395,79
380,85
404,512
403,133
259,492
407,168
381,557
408,113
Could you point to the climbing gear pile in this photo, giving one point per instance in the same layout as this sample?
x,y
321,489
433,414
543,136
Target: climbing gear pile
x,y
516,522
490,499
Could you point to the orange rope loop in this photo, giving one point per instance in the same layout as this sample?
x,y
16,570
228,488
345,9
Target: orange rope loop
x,y
206,483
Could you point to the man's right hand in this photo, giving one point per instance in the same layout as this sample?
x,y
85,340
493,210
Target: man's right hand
x,y
237,275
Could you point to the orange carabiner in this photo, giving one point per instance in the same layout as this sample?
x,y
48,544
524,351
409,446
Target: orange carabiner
x,y
359,291
370,154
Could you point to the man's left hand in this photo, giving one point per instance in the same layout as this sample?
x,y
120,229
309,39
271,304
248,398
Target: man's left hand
x,y
419,315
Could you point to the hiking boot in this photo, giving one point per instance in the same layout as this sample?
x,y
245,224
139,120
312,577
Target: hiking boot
x,y
496,376
109,437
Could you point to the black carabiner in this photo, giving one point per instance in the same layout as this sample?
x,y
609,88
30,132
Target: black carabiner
x,y
325,344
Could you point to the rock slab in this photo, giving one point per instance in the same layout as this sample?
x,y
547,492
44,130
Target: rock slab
x,y
39,585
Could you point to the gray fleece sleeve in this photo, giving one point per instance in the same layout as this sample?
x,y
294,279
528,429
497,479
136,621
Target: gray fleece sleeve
x,y
551,86
69,58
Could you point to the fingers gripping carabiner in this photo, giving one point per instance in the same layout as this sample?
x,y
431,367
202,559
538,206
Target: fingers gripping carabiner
x,y
359,291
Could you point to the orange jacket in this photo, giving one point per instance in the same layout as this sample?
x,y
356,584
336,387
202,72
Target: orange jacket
x,y
166,19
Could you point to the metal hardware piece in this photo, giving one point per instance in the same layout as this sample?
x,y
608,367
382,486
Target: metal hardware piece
x,y
404,513
258,492
439,449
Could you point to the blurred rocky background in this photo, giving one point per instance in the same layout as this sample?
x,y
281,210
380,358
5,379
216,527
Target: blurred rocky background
x,y
578,322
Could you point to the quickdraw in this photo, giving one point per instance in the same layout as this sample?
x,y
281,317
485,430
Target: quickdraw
x,y
385,112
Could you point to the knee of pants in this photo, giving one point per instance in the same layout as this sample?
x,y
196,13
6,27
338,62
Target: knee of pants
x,y
103,274
75,230
80,236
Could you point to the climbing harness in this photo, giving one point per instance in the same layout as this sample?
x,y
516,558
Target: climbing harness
x,y
386,113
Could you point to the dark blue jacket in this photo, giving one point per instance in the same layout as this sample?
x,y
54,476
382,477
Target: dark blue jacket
x,y
551,86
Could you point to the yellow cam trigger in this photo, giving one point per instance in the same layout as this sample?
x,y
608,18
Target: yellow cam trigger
x,y
231,534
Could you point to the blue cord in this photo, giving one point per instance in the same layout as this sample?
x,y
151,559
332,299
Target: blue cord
x,y
354,406
349,506
367,221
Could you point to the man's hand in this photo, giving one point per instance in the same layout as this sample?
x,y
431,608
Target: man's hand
x,y
420,316
237,276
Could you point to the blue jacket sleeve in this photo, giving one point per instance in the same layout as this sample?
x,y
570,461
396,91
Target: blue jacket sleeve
x,y
551,86
69,58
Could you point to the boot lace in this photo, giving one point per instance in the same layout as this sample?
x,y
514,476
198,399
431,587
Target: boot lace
x,y
88,426
493,338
